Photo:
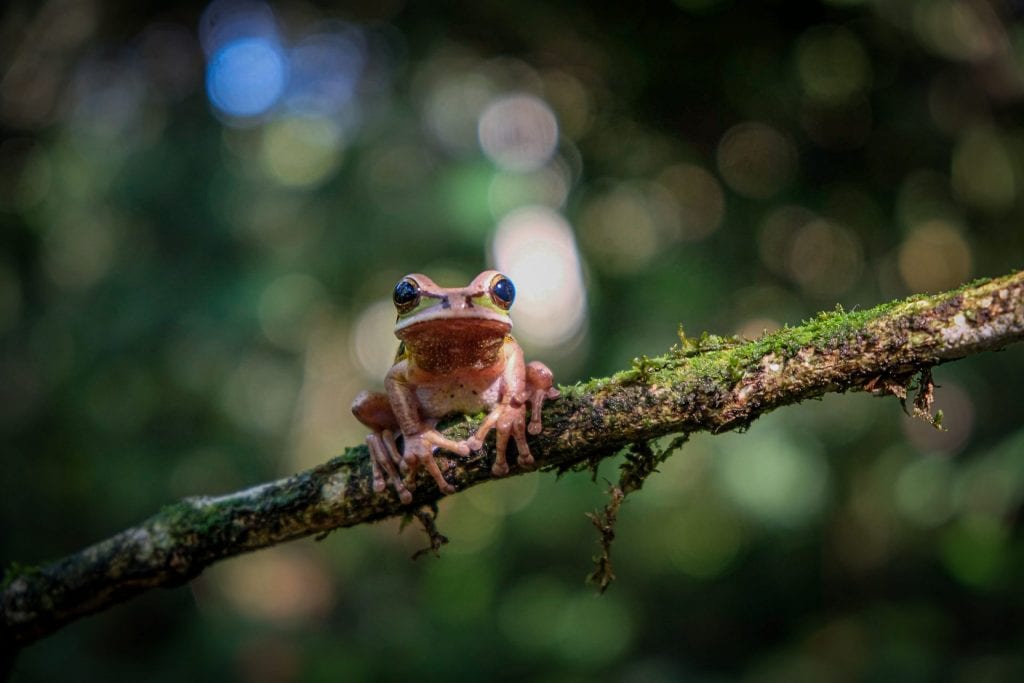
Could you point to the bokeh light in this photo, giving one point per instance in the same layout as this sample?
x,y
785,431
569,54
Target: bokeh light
x,y
546,187
301,151
330,380
832,65
324,71
534,246
475,532
518,132
454,101
993,485
571,100
776,479
461,590
499,501
77,254
699,199
934,256
702,541
975,550
957,29
756,160
924,491
983,171
543,617
246,77
260,393
825,258
619,228
247,68
373,339
108,97
284,585
289,309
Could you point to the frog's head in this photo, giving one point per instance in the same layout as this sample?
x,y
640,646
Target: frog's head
x,y
427,311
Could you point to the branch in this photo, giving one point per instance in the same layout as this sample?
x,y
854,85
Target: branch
x,y
711,384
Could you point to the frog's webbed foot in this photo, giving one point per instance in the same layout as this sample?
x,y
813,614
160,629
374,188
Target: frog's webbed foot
x,y
418,451
540,385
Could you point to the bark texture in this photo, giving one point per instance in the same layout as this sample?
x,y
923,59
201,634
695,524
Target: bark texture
x,y
711,383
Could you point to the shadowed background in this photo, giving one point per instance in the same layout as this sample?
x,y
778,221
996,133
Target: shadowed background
x,y
203,211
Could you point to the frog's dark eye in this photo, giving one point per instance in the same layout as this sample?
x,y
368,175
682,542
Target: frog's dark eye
x,y
503,292
407,295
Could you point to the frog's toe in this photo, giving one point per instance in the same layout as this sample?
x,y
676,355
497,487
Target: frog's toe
x,y
473,444
535,427
406,496
499,469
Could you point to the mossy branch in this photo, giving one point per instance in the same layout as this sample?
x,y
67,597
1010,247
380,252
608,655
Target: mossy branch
x,y
711,384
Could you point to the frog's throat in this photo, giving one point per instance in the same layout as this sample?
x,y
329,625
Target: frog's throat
x,y
443,346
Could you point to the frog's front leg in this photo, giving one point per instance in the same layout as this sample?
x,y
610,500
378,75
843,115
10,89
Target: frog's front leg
x,y
420,437
521,384
507,419
418,451
508,416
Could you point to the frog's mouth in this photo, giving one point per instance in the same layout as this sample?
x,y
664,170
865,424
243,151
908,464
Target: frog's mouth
x,y
444,316
454,329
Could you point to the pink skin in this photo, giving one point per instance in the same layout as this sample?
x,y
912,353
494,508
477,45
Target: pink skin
x,y
455,362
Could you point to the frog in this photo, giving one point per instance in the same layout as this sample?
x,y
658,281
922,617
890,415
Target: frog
x,y
456,356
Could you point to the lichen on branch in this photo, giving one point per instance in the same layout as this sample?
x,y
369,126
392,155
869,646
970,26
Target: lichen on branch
x,y
706,384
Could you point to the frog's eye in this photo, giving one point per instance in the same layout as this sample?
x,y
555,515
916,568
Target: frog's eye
x,y
407,295
503,292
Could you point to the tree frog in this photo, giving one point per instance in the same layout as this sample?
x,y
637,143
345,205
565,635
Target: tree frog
x,y
456,356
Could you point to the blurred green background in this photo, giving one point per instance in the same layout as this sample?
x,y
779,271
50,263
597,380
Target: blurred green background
x,y
204,209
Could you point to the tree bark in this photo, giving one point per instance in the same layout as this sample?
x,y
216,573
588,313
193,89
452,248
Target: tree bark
x,y
711,383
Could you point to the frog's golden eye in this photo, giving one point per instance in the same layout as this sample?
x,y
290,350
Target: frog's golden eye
x,y
407,295
503,292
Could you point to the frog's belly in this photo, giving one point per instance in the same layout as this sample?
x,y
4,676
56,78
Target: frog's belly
x,y
436,402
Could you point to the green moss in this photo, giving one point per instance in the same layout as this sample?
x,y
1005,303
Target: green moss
x,y
727,359
643,367
16,570
186,518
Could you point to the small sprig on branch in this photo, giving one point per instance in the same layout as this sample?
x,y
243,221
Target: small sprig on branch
x,y
711,387
641,462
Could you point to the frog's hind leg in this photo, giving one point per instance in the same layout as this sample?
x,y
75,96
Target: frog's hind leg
x,y
374,411
383,452
500,467
525,458
540,386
